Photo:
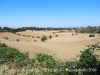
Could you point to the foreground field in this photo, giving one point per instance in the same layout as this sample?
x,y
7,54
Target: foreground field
x,y
65,46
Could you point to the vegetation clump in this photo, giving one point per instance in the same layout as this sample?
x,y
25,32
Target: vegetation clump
x,y
91,35
56,36
35,40
72,34
5,38
50,37
53,32
43,38
17,40
37,36
32,36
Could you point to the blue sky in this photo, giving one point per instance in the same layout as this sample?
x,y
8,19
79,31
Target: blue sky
x,y
49,13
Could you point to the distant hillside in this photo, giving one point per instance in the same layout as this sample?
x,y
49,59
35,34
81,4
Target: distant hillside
x,y
89,29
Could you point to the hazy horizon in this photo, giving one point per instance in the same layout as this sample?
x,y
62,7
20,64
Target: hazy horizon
x,y
49,13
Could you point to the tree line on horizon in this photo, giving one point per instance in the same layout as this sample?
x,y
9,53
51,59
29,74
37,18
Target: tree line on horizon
x,y
88,29
8,29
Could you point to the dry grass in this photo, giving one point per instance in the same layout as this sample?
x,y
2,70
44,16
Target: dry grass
x,y
65,46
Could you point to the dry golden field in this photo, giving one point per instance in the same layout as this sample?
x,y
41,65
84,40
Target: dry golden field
x,y
65,46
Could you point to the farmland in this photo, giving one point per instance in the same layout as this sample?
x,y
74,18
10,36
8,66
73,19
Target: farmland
x,y
65,46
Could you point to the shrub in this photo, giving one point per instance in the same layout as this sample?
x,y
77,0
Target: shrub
x,y
8,54
35,40
32,36
19,34
72,34
17,40
23,35
37,36
43,38
53,32
48,60
56,36
6,38
2,45
91,35
88,59
50,37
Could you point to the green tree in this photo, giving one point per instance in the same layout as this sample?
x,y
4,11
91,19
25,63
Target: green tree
x,y
50,37
89,60
43,38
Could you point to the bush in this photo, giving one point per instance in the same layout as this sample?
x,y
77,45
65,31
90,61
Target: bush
x,y
43,38
88,59
32,36
72,34
17,40
56,36
37,36
2,45
23,35
35,40
91,35
50,37
6,38
19,34
53,32
47,60
9,54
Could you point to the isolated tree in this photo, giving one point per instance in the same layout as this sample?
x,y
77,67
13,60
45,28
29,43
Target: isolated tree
x,y
50,37
43,38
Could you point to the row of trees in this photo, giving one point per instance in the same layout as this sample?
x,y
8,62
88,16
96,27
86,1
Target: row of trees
x,y
89,29
43,64
8,29
43,38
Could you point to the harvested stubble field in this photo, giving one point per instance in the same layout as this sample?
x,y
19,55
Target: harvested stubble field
x,y
65,46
